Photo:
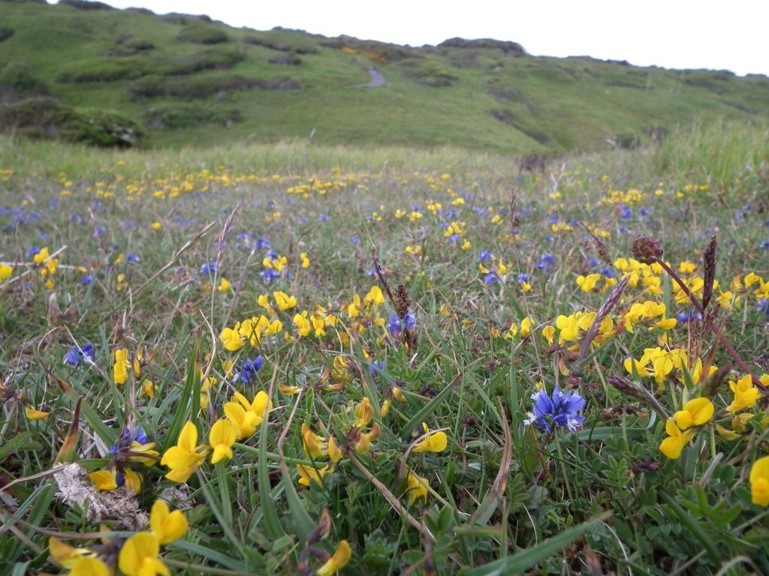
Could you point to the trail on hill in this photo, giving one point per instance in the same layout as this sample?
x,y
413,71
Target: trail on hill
x,y
376,78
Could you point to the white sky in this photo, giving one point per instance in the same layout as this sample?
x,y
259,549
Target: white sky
x,y
730,35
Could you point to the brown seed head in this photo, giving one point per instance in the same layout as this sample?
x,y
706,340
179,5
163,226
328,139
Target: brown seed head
x,y
647,250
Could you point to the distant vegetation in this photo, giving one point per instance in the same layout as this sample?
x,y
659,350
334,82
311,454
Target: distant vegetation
x,y
145,69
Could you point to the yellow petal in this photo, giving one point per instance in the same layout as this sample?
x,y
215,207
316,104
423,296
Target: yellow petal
x,y
338,561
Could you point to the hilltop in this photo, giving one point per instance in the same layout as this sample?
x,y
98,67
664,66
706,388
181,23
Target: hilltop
x,y
82,71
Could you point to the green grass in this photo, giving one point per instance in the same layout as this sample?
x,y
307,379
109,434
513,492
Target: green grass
x,y
136,236
477,96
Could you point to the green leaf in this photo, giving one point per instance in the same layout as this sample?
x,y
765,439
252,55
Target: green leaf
x,y
429,408
525,559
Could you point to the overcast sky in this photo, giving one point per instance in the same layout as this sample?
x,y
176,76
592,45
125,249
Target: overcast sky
x,y
730,35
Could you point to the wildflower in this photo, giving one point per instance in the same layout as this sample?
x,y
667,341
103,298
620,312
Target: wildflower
x,y
695,412
284,301
222,436
562,409
745,394
374,297
232,338
139,556
759,482
339,560
120,368
76,354
184,458
308,474
165,525
305,260
79,561
677,439
416,487
245,415
208,269
431,441
5,272
249,369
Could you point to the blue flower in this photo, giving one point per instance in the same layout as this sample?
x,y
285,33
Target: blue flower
x,y
208,269
562,409
376,367
249,368
395,326
354,239
76,354
546,262
484,256
132,258
688,316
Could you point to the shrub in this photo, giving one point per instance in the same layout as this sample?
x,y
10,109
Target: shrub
x,y
212,59
286,59
86,5
46,118
205,87
129,46
428,72
107,70
18,81
202,34
179,116
5,33
100,128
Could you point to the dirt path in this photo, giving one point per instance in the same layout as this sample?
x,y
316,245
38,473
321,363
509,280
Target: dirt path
x,y
376,78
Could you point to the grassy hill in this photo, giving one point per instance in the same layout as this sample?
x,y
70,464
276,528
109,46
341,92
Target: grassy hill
x,y
82,71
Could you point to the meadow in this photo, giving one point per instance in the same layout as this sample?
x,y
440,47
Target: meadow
x,y
303,359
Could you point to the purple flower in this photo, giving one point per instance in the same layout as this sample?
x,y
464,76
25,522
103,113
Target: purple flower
x,y
208,269
546,262
249,368
562,409
376,367
484,256
76,354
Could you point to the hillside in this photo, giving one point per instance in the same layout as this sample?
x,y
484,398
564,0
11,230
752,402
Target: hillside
x,y
83,71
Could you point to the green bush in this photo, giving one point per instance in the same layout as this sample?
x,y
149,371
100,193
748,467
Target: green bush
x,y
129,46
202,87
107,70
428,72
213,59
18,81
5,33
100,128
46,118
202,34
179,116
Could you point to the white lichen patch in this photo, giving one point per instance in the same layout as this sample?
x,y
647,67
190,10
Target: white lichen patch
x,y
119,506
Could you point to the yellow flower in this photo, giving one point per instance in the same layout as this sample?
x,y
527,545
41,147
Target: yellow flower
x,y
284,301
417,487
302,324
184,458
224,285
364,413
120,369
222,436
232,339
339,560
5,272
245,415
139,556
305,260
432,441
308,474
165,525
313,445
673,445
695,412
365,438
103,480
33,414
745,394
374,298
759,482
